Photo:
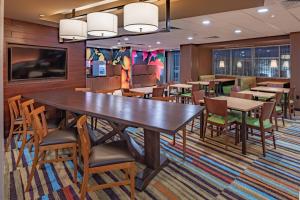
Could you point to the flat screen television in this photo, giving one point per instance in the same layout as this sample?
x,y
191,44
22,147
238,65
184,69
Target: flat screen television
x,y
33,62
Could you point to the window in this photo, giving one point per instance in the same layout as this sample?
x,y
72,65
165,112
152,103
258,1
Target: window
x,y
174,65
270,61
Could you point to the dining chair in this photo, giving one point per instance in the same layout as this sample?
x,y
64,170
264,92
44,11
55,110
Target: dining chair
x,y
158,92
103,158
127,93
188,96
26,108
83,89
198,99
45,141
263,124
241,95
217,115
291,102
211,88
278,111
16,121
236,88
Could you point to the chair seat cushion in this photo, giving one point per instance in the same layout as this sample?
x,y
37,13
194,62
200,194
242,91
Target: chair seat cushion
x,y
110,153
60,137
186,95
278,109
221,120
254,122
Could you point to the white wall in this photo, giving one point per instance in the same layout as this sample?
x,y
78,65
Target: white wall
x,y
1,100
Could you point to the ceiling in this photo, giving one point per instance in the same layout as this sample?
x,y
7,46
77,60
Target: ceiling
x,y
187,15
281,19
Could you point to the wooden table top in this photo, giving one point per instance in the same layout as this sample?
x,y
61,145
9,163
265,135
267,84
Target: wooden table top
x,y
265,83
271,89
244,105
259,94
181,85
152,115
144,90
206,83
223,80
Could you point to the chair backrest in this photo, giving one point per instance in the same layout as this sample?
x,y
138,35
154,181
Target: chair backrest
x,y
241,95
216,106
125,90
197,96
85,142
266,112
211,85
27,107
39,123
14,104
236,88
158,92
83,89
278,98
195,87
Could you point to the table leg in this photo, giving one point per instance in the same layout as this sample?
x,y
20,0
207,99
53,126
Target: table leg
x,y
243,133
285,104
202,124
154,161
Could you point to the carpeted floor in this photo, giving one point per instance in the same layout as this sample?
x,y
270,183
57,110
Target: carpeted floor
x,y
208,172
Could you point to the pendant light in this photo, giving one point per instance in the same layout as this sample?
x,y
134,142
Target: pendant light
x,y
141,17
102,24
72,29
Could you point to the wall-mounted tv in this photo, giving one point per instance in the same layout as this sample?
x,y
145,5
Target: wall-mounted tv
x,y
33,62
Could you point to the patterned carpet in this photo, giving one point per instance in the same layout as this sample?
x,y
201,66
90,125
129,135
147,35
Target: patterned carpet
x,y
208,172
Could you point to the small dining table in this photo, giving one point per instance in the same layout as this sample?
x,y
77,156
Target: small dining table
x,y
244,106
285,92
279,83
257,94
155,117
145,91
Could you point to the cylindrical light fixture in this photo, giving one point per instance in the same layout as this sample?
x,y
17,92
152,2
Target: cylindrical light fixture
x,y
239,64
72,29
141,17
222,64
102,24
274,64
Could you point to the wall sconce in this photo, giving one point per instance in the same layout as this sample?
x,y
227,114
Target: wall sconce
x,y
274,64
222,64
239,64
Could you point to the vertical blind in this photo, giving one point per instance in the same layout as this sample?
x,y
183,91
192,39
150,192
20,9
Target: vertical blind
x,y
174,65
270,61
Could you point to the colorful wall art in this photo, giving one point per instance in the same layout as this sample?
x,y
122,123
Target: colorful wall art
x,y
122,57
154,58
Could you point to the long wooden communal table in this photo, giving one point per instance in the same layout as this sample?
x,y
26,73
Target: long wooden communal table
x,y
244,106
285,91
121,112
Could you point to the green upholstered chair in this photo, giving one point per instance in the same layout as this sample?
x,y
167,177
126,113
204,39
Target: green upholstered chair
x,y
217,115
278,111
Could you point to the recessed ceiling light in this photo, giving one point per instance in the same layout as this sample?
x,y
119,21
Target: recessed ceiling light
x,y
119,43
158,42
126,39
263,10
41,15
190,38
238,31
272,16
149,46
206,22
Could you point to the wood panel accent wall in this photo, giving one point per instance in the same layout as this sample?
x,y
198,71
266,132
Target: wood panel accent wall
x,y
143,75
295,65
19,32
102,83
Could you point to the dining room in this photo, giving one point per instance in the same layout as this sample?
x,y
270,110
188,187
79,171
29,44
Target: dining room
x,y
163,99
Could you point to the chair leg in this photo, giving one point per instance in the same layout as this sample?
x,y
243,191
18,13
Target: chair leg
x,y
274,140
33,168
276,122
192,125
226,138
174,139
11,132
132,183
184,141
75,162
84,185
43,157
212,131
22,148
283,122
263,143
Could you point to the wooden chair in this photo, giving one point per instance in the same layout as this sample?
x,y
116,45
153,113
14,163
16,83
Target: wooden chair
x,y
198,99
291,102
83,89
188,96
26,108
16,121
45,141
211,89
158,92
278,111
103,158
217,115
127,93
263,124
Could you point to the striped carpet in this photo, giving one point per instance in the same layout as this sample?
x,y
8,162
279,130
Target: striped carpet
x,y
208,172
